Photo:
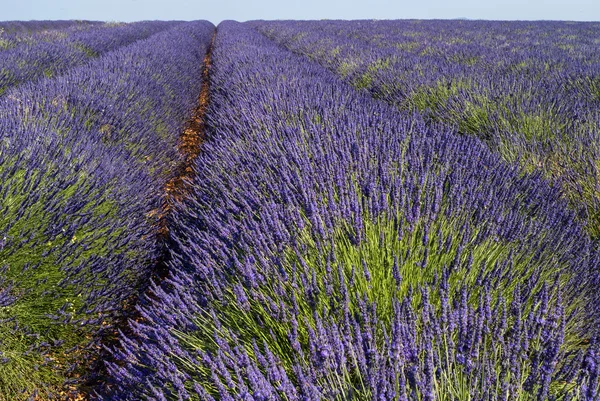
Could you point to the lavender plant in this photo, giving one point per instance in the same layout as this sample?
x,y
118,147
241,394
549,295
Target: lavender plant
x,y
83,161
336,249
528,89
18,33
48,54
30,27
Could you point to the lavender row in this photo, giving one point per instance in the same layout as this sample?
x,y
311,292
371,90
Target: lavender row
x,y
530,90
84,159
13,35
29,27
335,249
51,53
15,43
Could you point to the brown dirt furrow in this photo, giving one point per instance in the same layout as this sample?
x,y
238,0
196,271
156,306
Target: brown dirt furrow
x,y
191,140
175,190
179,187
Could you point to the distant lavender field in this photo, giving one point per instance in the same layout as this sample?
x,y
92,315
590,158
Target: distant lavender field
x,y
300,210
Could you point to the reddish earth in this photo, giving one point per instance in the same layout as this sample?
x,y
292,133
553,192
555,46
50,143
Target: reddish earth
x,y
176,189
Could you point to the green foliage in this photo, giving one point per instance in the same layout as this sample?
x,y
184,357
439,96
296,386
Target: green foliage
x,y
37,267
86,50
338,262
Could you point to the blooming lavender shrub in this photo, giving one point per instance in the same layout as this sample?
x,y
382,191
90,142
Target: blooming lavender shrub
x,y
31,27
334,249
529,89
17,33
51,53
83,162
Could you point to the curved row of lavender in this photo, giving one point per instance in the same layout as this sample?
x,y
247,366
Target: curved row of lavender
x,y
48,54
83,162
29,27
11,42
333,249
529,89
14,35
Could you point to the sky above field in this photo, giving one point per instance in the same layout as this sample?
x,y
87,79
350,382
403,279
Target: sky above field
x,y
243,10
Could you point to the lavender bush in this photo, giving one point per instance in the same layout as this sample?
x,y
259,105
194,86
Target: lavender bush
x,y
51,53
15,33
83,161
334,248
29,27
529,89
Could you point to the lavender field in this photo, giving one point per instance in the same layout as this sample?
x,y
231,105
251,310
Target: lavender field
x,y
300,210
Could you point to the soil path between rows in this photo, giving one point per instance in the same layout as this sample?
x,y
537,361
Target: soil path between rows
x,y
179,187
176,190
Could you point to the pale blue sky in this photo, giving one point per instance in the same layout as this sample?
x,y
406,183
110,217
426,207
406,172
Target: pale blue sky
x,y
218,10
